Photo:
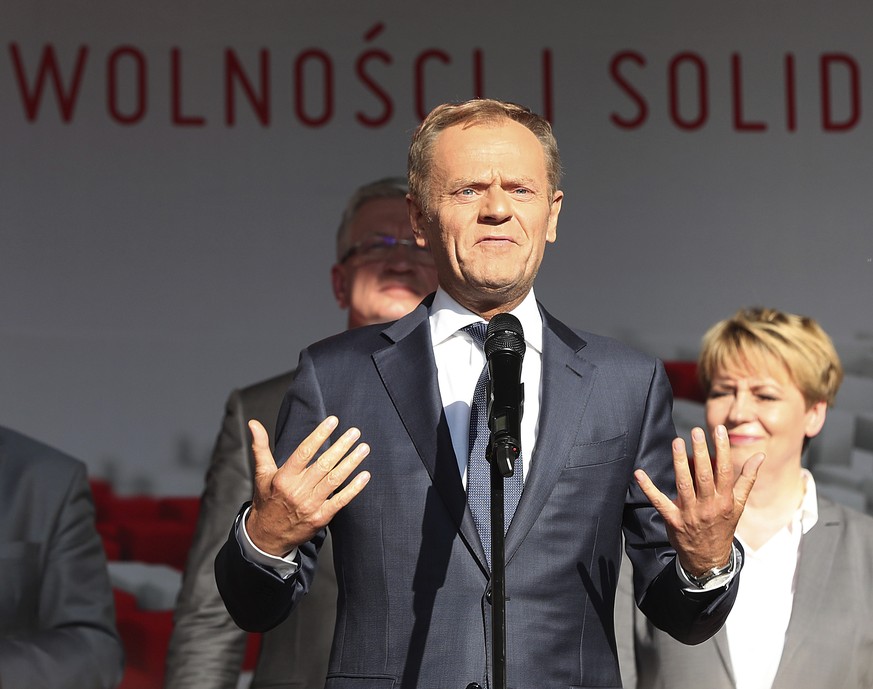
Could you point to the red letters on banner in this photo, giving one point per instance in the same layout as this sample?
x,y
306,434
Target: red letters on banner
x,y
688,87
131,77
686,84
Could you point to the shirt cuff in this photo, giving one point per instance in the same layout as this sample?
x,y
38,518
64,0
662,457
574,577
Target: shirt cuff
x,y
721,581
285,567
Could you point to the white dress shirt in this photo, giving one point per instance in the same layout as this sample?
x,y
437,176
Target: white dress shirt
x,y
459,363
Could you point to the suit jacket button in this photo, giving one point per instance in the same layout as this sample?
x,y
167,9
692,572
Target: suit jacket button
x,y
474,685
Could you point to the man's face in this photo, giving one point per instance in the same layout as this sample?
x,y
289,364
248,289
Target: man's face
x,y
490,214
378,283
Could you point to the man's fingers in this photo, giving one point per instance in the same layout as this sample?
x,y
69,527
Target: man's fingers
x,y
339,473
303,455
682,469
659,501
703,480
308,478
292,502
329,459
346,495
325,497
265,465
724,468
746,480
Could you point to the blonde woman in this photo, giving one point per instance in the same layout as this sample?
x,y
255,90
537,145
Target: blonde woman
x,y
803,618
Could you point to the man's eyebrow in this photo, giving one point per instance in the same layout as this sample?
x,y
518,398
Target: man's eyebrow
x,y
462,182
520,182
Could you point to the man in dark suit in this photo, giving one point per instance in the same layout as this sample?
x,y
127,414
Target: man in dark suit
x,y
414,606
57,618
375,280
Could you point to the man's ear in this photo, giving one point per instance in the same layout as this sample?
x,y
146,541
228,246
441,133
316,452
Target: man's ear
x,y
339,281
417,220
554,212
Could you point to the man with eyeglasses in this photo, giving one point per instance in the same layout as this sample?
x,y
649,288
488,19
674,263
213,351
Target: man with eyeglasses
x,y
380,275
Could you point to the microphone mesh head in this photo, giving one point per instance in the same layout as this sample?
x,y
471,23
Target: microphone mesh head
x,y
504,334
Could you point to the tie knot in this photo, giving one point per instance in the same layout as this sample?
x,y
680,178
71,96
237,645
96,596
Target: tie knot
x,y
477,331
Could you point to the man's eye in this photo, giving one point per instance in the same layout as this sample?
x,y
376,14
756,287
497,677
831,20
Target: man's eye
x,y
466,192
377,244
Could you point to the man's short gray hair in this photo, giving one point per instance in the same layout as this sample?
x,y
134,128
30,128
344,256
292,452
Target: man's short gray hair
x,y
386,188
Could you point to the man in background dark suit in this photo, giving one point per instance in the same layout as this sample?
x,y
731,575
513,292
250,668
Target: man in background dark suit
x,y
57,618
414,606
379,276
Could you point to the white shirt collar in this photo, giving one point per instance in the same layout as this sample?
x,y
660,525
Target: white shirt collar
x,y
447,316
807,513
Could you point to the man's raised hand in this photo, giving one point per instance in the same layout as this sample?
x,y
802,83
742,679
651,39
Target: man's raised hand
x,y
709,502
292,502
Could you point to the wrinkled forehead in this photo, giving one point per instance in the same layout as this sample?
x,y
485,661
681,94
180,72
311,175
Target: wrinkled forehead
x,y
487,147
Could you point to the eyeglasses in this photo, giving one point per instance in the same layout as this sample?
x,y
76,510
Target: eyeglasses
x,y
379,247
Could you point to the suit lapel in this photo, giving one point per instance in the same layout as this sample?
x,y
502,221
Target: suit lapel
x,y
817,551
408,372
566,386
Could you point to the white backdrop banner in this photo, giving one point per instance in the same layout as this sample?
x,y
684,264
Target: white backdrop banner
x,y
173,174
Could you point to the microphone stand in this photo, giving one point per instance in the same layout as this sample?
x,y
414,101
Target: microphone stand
x,y
499,465
504,350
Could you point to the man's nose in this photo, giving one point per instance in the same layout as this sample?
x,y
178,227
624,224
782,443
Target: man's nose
x,y
496,206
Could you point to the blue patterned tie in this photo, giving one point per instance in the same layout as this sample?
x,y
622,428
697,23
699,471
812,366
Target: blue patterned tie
x,y
478,468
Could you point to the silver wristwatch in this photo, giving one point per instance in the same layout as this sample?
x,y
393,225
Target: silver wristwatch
x,y
715,577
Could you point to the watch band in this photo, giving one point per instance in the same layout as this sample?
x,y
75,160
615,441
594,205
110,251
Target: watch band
x,y
708,578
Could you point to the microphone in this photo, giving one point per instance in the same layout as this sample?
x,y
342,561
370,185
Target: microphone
x,y
504,351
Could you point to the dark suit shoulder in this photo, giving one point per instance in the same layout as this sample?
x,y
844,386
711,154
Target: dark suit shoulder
x,y
596,348
26,457
366,337
365,340
603,346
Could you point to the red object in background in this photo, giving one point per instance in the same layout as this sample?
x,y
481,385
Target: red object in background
x,y
253,648
142,528
146,636
156,542
179,509
683,379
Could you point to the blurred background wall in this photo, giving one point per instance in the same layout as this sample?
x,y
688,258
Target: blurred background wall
x,y
172,175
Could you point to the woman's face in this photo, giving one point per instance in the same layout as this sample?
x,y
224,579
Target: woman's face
x,y
763,411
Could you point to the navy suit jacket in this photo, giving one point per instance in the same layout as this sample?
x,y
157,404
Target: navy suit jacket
x,y
413,609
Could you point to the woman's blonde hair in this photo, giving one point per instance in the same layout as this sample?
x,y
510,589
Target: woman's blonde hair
x,y
753,335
